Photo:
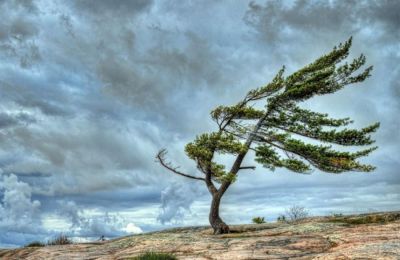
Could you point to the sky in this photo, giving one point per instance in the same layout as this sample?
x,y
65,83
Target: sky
x,y
90,91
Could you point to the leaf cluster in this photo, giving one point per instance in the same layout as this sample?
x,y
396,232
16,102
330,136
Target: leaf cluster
x,y
203,148
258,220
283,130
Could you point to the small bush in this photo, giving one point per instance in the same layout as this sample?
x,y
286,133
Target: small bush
x,y
258,220
281,218
35,244
60,240
337,215
155,256
296,213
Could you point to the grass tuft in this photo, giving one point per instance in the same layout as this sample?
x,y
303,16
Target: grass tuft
x,y
60,240
155,256
35,244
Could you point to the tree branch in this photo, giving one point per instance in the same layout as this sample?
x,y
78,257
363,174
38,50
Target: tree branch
x,y
210,185
239,158
161,158
295,132
247,168
293,152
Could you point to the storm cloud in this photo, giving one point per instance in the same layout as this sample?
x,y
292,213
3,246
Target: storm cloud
x,y
90,92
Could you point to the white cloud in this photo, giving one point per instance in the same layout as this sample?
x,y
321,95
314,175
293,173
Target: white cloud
x,y
176,200
132,229
92,224
17,209
20,220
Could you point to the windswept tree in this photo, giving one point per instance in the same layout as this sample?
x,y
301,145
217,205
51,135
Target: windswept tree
x,y
282,134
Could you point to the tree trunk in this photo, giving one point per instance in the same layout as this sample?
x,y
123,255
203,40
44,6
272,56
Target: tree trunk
x,y
216,222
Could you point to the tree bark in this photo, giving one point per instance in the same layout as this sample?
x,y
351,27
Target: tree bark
x,y
219,226
216,222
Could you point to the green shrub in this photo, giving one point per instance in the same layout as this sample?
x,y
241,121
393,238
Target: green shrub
x,y
35,244
155,256
60,240
258,220
281,218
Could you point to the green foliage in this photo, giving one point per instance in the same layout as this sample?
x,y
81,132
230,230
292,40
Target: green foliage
x,y
281,218
155,256
203,148
226,177
281,135
258,220
322,76
271,88
35,244
269,158
310,124
236,112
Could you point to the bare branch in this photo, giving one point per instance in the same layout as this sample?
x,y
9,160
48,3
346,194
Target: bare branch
x,y
247,168
161,159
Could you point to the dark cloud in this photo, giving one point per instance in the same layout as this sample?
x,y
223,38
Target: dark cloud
x,y
28,5
47,102
162,71
77,154
281,21
7,120
18,31
116,8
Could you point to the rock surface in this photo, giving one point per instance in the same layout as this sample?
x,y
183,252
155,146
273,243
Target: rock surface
x,y
367,236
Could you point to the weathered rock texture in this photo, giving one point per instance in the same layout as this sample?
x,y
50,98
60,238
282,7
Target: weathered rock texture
x,y
369,236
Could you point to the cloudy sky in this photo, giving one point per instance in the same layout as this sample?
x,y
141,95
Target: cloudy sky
x,y
89,92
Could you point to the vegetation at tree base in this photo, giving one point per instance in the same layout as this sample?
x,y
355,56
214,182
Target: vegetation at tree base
x,y
282,134
258,220
155,256
296,213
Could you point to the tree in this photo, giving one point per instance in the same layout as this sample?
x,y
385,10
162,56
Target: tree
x,y
258,220
282,134
296,213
